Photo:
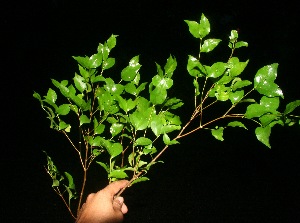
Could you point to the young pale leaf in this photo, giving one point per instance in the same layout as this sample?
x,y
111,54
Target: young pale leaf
x,y
218,133
263,134
209,45
290,107
143,141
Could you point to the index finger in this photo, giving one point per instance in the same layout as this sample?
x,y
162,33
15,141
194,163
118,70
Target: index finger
x,y
116,186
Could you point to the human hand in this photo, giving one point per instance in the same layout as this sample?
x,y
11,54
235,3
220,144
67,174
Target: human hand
x,y
102,207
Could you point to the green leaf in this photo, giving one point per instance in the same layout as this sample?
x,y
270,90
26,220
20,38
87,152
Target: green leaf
x,y
238,83
266,105
194,28
143,141
63,89
83,61
173,103
157,124
95,60
236,67
110,62
266,119
158,95
209,45
64,126
195,68
106,167
112,41
140,120
51,95
218,133
63,109
216,70
70,180
290,107
237,124
114,149
126,105
170,66
263,134
84,73
116,128
112,88
255,110
236,96
98,128
199,30
241,44
162,82
119,174
37,96
264,81
140,179
84,120
129,73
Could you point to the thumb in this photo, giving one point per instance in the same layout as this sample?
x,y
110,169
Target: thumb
x,y
118,205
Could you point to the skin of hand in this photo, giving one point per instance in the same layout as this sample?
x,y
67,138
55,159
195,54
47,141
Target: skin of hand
x,y
102,207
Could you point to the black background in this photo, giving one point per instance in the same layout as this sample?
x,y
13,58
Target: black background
x,y
202,180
